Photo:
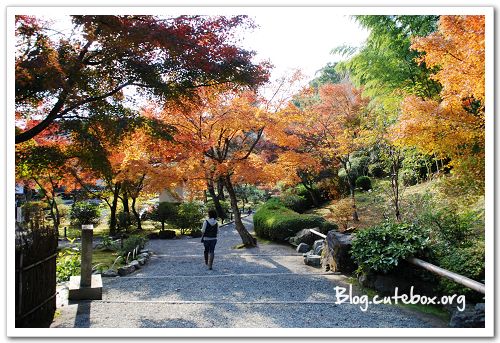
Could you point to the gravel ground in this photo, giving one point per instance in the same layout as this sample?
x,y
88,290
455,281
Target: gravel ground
x,y
268,287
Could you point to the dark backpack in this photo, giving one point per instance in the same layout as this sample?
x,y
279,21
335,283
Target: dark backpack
x,y
211,230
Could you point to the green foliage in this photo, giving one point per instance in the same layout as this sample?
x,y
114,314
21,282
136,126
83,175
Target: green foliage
x,y
163,211
467,261
364,183
132,242
68,264
358,166
457,241
385,63
85,213
377,170
381,248
276,222
107,243
295,202
34,211
185,216
226,206
188,217
124,221
327,74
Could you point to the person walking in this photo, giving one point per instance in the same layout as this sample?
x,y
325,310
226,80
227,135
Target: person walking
x,y
209,237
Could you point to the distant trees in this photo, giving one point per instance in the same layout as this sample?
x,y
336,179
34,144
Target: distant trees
x,y
60,76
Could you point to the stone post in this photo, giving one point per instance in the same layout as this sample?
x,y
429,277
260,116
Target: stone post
x,y
86,256
86,286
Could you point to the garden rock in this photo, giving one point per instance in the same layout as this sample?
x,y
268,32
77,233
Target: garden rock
x,y
125,270
136,264
471,317
337,253
142,261
303,247
109,273
303,236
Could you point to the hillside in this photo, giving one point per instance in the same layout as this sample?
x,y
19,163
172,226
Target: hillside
x,y
374,206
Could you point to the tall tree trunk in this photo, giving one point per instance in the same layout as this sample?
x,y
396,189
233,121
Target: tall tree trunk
x,y
247,239
220,189
352,187
396,161
218,207
114,204
136,215
312,193
53,214
126,208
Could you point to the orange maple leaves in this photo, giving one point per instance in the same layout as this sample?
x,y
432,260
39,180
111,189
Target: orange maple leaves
x,y
454,126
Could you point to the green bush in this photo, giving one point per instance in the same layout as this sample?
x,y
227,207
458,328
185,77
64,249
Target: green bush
x,y
85,213
381,248
295,202
409,177
107,243
131,243
377,170
467,261
364,183
276,222
68,264
163,211
124,221
189,217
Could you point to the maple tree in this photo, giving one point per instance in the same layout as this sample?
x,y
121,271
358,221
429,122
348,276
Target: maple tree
x,y
452,126
61,76
42,163
129,155
335,122
219,132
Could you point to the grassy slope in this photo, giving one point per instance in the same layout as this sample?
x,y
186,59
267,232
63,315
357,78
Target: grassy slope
x,y
374,206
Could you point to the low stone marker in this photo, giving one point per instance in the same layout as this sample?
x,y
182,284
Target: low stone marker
x,y
312,260
86,286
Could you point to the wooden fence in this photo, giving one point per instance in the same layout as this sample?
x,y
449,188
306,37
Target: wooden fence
x,y
36,252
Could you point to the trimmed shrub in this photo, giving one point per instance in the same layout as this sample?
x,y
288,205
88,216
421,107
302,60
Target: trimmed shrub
x,y
163,211
85,213
364,183
276,222
296,203
381,248
188,217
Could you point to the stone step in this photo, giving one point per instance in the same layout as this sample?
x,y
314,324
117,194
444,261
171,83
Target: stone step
x,y
178,265
232,287
148,314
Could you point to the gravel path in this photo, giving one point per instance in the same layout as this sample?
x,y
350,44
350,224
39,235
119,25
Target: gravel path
x,y
268,287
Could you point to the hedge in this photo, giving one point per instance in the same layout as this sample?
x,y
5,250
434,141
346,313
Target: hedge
x,y
276,222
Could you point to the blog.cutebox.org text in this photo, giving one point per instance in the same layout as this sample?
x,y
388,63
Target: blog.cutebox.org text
x,y
345,295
